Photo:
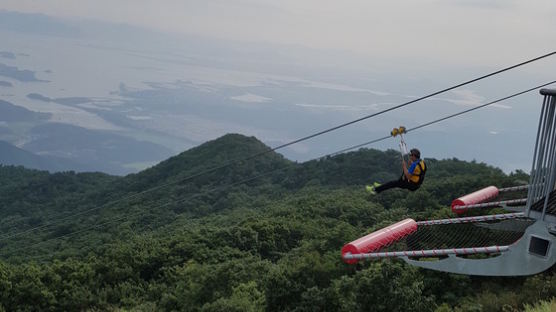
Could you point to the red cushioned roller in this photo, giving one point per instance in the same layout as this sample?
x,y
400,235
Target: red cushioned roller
x,y
477,197
379,239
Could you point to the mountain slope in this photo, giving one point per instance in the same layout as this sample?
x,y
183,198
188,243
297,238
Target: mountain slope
x,y
158,241
106,151
11,155
11,113
217,161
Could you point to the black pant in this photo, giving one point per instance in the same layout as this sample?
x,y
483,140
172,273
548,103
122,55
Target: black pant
x,y
402,182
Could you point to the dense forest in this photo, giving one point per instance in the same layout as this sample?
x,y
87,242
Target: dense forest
x,y
203,231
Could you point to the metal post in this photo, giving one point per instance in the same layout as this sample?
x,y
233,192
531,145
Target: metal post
x,y
550,163
543,172
533,179
552,171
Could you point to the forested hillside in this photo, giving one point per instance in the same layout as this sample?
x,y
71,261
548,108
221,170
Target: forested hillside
x,y
204,232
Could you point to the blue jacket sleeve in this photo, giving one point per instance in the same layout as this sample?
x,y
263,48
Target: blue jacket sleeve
x,y
412,167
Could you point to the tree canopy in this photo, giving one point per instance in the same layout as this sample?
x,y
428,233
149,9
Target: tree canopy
x,y
198,232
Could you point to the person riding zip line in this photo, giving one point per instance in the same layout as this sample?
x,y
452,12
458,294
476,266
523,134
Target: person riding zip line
x,y
411,179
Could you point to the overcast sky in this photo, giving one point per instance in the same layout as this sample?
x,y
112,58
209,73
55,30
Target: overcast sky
x,y
404,48
478,32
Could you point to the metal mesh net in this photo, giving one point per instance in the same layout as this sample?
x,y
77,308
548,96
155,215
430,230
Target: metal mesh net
x,y
453,235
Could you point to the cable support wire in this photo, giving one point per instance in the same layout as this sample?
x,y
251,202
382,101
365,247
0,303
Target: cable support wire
x,y
493,204
446,117
430,253
412,101
153,208
513,188
73,215
473,219
259,154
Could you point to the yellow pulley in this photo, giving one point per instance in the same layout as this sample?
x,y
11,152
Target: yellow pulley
x,y
396,131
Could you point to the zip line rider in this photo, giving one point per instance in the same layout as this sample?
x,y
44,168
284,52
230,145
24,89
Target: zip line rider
x,y
411,178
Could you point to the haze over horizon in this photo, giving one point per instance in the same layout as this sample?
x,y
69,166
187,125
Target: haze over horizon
x,y
166,76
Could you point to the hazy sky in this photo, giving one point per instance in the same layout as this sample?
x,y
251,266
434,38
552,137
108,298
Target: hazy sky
x,y
474,32
396,50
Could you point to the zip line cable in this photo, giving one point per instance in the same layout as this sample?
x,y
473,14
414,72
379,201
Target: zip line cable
x,y
156,207
4,237
277,169
480,106
446,117
412,101
233,161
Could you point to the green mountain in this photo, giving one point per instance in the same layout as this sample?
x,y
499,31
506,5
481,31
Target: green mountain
x,y
203,231
204,159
